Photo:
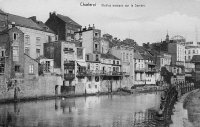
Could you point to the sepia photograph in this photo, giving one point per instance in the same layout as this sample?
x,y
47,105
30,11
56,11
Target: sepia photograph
x,y
99,63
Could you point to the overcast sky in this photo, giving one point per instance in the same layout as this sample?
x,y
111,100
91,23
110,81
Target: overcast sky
x,y
143,24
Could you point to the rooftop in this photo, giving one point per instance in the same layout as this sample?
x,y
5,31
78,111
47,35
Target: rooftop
x,y
23,22
67,19
109,56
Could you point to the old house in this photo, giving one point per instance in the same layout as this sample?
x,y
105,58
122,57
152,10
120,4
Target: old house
x,y
14,63
34,34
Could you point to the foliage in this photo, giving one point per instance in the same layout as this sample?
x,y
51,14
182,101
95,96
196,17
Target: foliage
x,y
166,75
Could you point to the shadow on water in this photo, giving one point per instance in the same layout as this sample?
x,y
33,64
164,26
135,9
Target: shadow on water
x,y
95,111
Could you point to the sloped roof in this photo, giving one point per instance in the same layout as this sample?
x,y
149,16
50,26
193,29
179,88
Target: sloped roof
x,y
67,19
109,56
137,55
196,59
45,27
24,22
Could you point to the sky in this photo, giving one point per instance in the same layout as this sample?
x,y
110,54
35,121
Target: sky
x,y
142,24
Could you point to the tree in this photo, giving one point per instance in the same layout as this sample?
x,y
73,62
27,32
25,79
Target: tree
x,y
166,75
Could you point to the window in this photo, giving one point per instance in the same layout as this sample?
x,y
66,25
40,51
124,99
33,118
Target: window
x,y
17,68
126,56
49,38
88,57
2,66
113,61
123,56
38,52
193,51
189,57
30,69
97,57
27,51
14,36
96,78
27,39
188,51
96,34
15,53
118,62
3,53
47,65
96,46
38,41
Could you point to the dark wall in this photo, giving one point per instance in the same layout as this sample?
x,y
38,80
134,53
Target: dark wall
x,y
52,50
57,25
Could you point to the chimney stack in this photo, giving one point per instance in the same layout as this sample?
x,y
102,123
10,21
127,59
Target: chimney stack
x,y
13,24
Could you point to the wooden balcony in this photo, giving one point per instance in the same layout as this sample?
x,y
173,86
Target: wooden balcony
x,y
81,74
69,76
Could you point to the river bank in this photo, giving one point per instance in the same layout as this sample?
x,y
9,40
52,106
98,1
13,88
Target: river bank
x,y
180,113
192,104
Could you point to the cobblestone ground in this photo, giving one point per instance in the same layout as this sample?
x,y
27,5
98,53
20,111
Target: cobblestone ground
x,y
192,104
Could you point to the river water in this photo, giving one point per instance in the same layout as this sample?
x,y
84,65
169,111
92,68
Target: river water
x,y
94,111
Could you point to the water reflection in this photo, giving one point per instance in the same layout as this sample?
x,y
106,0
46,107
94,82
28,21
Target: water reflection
x,y
95,111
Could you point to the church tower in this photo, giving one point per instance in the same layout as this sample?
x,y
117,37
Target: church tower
x,y
167,37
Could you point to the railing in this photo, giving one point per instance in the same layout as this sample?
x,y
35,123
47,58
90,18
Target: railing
x,y
139,69
106,73
151,70
163,117
69,76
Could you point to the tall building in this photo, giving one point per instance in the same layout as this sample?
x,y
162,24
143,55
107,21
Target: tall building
x,y
177,51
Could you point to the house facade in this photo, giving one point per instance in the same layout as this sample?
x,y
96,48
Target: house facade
x,y
177,51
126,55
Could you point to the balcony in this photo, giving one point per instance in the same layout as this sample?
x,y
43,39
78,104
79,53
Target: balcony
x,y
93,72
150,63
153,70
126,73
115,73
69,76
139,69
81,74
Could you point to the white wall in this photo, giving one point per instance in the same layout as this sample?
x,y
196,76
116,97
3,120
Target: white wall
x,y
33,35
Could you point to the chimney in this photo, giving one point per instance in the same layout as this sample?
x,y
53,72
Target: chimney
x,y
13,24
84,29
